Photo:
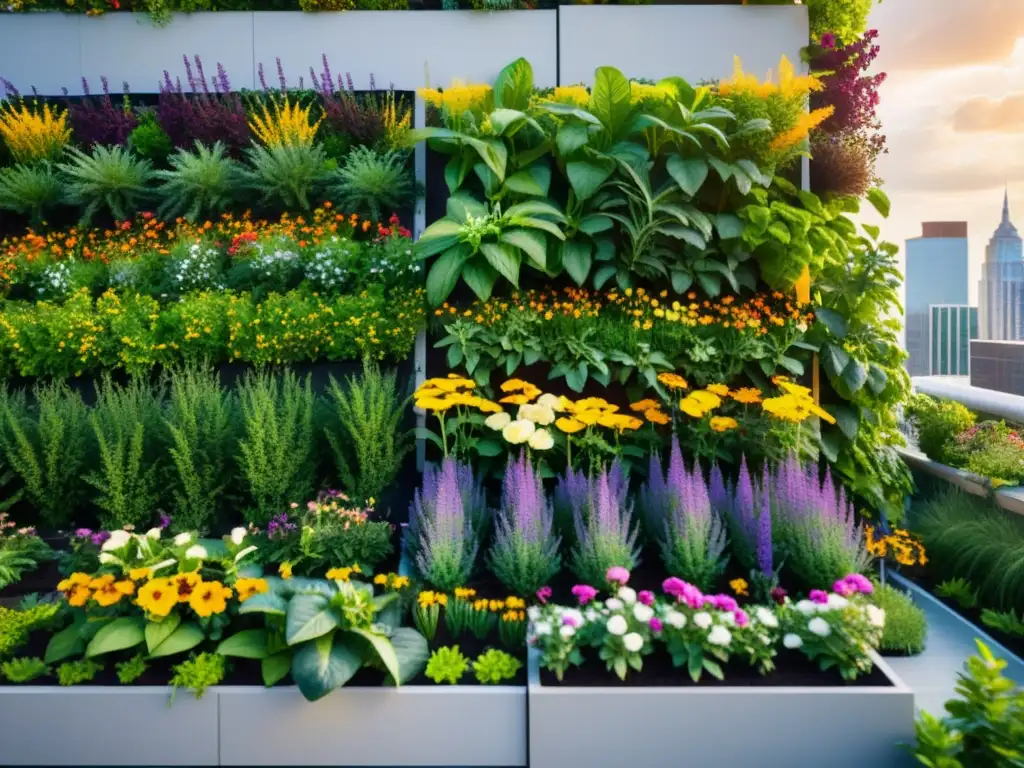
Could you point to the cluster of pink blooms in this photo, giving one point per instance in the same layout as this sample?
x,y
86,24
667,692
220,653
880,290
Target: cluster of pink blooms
x,y
686,593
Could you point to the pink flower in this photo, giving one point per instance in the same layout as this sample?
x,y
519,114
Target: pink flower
x,y
584,593
742,619
544,594
617,575
828,40
841,587
860,583
655,624
819,596
645,596
674,587
721,602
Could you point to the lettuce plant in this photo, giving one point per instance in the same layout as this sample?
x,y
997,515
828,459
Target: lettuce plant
x,y
447,665
494,666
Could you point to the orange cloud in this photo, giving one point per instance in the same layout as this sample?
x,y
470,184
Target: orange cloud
x,y
987,115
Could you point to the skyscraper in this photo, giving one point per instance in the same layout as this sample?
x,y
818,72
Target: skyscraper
x,y
950,331
936,273
1001,290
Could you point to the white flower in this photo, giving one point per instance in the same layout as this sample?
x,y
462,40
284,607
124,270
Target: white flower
x,y
238,535
792,641
727,619
182,539
819,626
720,636
642,613
627,595
163,564
537,413
702,619
533,612
574,616
108,559
196,552
837,602
566,631
806,607
542,628
153,533
591,615
519,431
117,540
497,421
554,402
633,642
617,625
876,616
614,604
766,617
675,619
541,440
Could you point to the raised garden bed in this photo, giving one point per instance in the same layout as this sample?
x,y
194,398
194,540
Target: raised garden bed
x,y
1009,498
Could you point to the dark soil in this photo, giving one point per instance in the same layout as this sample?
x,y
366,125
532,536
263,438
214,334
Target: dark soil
x,y
791,669
42,580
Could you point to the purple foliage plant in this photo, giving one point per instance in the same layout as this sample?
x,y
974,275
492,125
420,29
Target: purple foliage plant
x,y
203,114
344,112
98,120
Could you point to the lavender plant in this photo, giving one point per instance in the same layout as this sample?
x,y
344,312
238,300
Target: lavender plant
x,y
525,553
678,511
605,533
571,494
441,533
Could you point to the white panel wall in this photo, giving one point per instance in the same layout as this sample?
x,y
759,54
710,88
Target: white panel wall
x,y
695,42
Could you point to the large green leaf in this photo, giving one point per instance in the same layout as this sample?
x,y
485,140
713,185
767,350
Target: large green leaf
x,y
611,101
444,273
594,223
247,644
877,379
880,201
531,242
66,643
412,652
269,603
158,631
456,170
847,419
832,320
535,180
504,258
514,85
275,668
184,638
689,173
439,236
381,645
728,226
576,259
122,633
834,359
480,277
320,666
587,176
568,110
535,208
460,207
570,137
309,616
854,376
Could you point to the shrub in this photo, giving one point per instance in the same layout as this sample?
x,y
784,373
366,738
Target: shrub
x,y
970,538
371,182
200,183
345,114
33,133
110,178
845,20
990,449
937,423
905,624
367,439
130,671
277,450
198,673
78,672
149,139
206,115
286,175
841,167
29,190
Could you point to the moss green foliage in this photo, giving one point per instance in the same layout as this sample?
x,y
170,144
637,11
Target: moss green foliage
x,y
130,671
1004,621
937,422
46,444
373,183
78,672
109,179
969,538
447,665
277,450
959,591
29,190
366,437
905,624
494,666
126,424
289,175
16,624
984,725
200,183
149,140
846,19
200,419
23,670
198,673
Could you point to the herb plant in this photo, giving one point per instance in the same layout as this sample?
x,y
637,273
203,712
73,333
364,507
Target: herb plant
x,y
23,670
373,183
494,666
447,665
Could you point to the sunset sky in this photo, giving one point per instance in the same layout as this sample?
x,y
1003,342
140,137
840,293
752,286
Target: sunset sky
x,y
953,112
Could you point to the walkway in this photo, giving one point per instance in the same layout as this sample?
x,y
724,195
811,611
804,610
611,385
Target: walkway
x,y
933,674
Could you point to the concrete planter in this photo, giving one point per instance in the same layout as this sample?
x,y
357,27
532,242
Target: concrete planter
x,y
1010,499
721,727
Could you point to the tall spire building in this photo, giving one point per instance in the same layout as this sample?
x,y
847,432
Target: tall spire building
x,y
1001,290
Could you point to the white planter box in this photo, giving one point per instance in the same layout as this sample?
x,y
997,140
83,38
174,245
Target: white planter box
x,y
721,727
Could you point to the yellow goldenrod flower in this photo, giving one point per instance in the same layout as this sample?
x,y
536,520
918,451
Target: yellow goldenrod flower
x,y
33,134
286,126
576,95
804,125
459,97
643,92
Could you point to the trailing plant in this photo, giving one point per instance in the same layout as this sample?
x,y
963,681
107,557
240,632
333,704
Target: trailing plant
x,y
30,190
494,666
130,671
447,665
199,183
109,178
372,183
286,174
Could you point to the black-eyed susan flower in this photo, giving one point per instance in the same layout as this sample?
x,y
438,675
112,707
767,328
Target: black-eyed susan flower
x,y
246,588
157,597
209,598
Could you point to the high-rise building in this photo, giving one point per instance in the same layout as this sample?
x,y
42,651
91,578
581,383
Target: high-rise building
x,y
951,328
1001,290
936,273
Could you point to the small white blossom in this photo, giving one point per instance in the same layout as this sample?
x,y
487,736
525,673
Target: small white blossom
x,y
117,540
542,628
720,636
633,642
614,604
727,619
837,602
238,535
575,617
819,626
617,626
792,641
806,607
195,552
675,619
566,631
533,612
591,615
702,619
627,595
108,559
766,617
153,533
182,539
642,613
876,616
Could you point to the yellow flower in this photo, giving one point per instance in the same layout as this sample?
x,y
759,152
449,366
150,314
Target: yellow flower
x,y
692,407
787,407
619,422
246,588
577,95
433,404
673,381
514,385
381,579
709,400
569,425
287,126
488,406
209,598
644,405
718,389
138,574
459,97
642,92
399,582
426,391
723,423
157,596
464,593
595,403
339,574
747,395
184,584
515,399
33,134
428,599
78,596
793,389
76,588
112,591
496,605
739,586
656,416
285,570
807,122
517,603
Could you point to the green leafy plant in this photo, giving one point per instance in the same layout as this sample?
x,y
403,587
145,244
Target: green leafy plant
x,y
287,174
447,665
24,670
277,448
21,550
372,182
78,672
426,613
199,183
200,421
29,190
126,425
148,139
17,624
937,423
846,20
984,726
473,615
1003,621
512,629
130,671
958,590
110,178
906,626
198,673
494,666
